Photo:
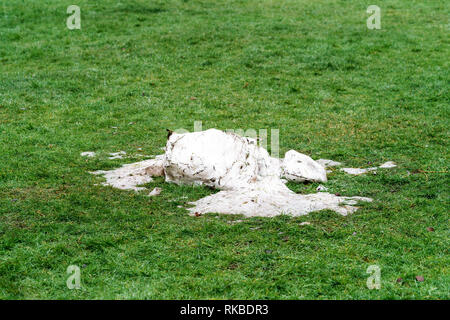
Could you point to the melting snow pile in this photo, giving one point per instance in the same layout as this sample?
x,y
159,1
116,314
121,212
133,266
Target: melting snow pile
x,y
250,180
358,171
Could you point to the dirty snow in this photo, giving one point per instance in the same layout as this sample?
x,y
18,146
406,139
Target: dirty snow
x,y
216,159
299,167
156,191
268,200
130,176
328,163
358,171
250,180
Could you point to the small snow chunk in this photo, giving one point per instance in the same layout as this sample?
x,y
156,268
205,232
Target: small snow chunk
x,y
89,154
117,155
306,223
357,171
321,188
156,191
389,164
328,163
300,167
248,177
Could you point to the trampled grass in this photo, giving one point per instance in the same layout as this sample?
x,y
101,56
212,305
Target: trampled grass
x,y
311,69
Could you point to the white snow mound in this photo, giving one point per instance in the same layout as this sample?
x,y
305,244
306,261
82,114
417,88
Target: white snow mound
x,y
217,159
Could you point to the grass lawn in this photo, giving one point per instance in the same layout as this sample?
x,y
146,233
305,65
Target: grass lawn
x,y
312,69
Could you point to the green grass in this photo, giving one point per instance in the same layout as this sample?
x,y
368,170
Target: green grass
x,y
312,69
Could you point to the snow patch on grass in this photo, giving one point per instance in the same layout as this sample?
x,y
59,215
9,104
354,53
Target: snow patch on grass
x,y
250,180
